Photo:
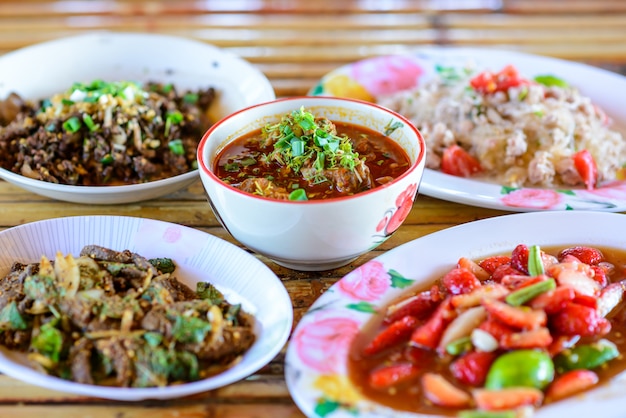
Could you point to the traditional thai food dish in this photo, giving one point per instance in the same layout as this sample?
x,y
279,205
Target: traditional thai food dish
x,y
516,131
303,157
500,336
104,133
118,319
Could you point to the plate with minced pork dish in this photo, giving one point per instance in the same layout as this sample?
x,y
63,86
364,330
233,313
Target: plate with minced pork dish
x,y
504,130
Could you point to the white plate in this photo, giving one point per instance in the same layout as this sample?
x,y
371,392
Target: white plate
x,y
199,257
316,358
388,74
186,63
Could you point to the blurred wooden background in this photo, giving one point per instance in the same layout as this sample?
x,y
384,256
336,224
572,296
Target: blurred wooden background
x,y
329,33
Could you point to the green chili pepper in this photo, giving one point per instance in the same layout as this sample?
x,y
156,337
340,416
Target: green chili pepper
x,y
527,368
523,295
550,80
588,356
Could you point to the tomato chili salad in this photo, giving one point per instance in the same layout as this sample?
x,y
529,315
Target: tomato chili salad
x,y
304,157
104,133
512,129
500,336
118,319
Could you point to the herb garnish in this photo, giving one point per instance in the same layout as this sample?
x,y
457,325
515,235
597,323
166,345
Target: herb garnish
x,y
302,139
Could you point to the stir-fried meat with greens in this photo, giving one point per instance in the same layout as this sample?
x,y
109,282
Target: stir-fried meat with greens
x,y
119,319
104,133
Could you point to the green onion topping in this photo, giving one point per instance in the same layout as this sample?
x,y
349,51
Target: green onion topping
x,y
72,125
298,194
176,147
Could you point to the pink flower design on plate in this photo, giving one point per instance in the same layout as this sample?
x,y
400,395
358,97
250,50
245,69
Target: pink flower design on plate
x,y
323,344
366,283
532,198
614,190
387,74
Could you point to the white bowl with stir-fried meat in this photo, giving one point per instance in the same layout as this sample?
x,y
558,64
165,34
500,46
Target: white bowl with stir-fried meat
x,y
117,117
509,317
129,308
312,182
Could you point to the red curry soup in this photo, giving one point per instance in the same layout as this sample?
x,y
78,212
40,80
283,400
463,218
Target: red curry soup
x,y
499,336
305,157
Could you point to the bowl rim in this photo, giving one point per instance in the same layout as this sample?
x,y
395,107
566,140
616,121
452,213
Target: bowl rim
x,y
205,169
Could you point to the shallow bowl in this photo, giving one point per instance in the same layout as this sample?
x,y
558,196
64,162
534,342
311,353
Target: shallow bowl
x,y
313,234
185,63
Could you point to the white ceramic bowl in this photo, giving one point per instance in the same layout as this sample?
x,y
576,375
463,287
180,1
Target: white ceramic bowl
x,y
198,256
186,63
312,235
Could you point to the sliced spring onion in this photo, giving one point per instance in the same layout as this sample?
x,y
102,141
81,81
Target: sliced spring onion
x,y
459,346
298,194
523,295
172,118
67,102
72,125
90,123
297,147
535,263
176,147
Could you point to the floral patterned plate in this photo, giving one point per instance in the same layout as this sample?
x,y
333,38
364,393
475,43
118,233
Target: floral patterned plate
x,y
372,77
316,361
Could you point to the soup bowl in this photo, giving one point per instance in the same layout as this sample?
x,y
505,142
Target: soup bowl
x,y
312,235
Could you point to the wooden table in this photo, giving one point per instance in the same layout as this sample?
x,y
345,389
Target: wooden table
x,y
294,43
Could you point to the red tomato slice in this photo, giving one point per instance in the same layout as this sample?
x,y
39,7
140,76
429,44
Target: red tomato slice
x,y
458,162
489,82
586,167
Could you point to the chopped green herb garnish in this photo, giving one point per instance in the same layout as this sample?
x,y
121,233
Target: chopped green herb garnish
x,y
90,123
208,291
67,102
301,137
107,159
392,126
72,125
164,265
298,194
176,146
172,118
49,341
10,317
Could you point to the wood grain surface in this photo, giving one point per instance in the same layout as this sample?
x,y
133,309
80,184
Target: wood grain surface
x,y
294,43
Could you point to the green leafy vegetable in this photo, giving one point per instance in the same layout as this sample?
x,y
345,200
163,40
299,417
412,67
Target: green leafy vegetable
x,y
189,329
164,265
208,291
49,341
392,126
10,318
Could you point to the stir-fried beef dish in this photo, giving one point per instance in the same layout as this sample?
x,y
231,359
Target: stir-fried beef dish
x,y
118,319
104,133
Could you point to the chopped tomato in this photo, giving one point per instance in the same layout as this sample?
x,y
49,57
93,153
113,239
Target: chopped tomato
x,y
458,162
587,168
489,82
